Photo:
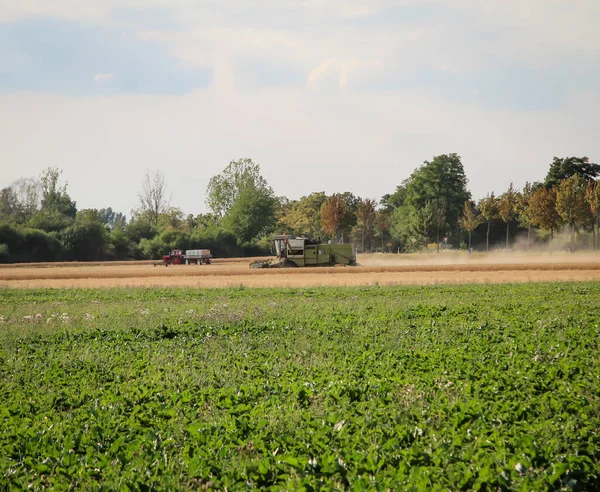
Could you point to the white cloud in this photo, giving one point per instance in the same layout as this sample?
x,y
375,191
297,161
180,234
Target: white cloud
x,y
101,77
301,35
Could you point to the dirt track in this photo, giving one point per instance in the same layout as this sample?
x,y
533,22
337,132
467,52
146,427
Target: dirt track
x,y
373,269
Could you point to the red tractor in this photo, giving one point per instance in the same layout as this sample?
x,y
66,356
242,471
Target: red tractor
x,y
190,256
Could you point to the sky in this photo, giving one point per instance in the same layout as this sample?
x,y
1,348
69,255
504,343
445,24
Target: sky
x,y
338,95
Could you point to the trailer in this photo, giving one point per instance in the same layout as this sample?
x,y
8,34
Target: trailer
x,y
187,257
304,252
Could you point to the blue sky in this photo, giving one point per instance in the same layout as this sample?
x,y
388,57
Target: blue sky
x,y
72,58
342,88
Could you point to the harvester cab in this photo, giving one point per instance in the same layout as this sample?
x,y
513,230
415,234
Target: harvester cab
x,y
286,246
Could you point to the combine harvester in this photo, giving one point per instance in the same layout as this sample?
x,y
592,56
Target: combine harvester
x,y
187,257
303,252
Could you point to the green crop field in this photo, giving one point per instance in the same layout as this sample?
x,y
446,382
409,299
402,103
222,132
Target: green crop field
x,y
468,387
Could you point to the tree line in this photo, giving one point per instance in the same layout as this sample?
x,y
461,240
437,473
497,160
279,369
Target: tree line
x,y
431,209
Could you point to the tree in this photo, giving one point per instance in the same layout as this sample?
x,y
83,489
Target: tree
x,y
205,221
570,203
350,219
107,216
507,208
171,218
470,219
411,225
366,215
563,168
443,184
303,216
9,205
121,247
87,238
242,200
391,202
153,198
439,218
334,213
592,198
27,191
54,196
524,211
543,210
383,222
489,210
238,177
50,221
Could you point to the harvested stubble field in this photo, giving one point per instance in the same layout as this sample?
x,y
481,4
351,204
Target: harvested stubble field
x,y
489,387
446,268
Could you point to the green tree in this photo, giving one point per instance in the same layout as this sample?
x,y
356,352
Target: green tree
x,y
111,218
54,195
570,203
489,210
592,198
163,243
543,210
563,168
442,184
242,200
50,221
121,247
206,221
252,216
87,239
9,205
140,228
508,208
57,211
303,216
28,194
411,226
470,219
172,219
391,202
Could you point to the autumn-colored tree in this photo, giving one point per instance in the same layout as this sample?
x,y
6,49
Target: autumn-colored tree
x,y
470,219
334,213
366,215
489,210
570,203
543,210
592,198
507,208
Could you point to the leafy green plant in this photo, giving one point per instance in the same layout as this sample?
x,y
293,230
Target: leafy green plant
x,y
459,388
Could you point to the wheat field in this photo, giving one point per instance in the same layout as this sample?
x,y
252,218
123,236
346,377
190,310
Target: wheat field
x,y
373,269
